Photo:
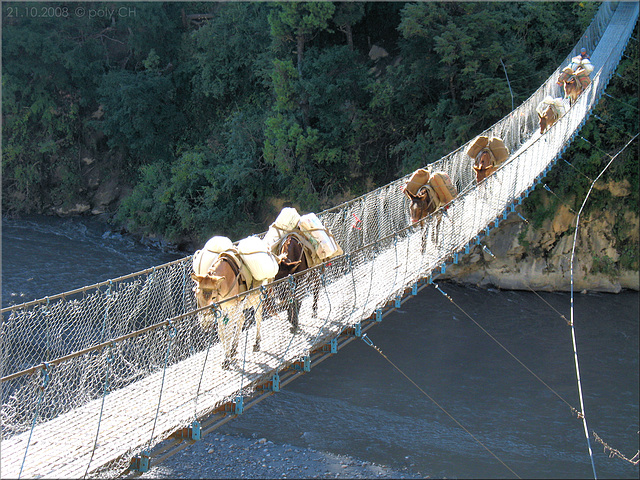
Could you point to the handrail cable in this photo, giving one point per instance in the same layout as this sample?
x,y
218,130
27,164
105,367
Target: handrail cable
x,y
89,287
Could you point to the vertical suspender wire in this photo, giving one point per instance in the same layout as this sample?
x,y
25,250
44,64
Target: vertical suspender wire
x,y
104,394
263,296
353,282
48,334
372,249
324,284
45,382
573,334
106,312
172,334
395,269
216,313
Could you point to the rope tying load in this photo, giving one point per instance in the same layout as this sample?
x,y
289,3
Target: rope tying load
x,y
129,363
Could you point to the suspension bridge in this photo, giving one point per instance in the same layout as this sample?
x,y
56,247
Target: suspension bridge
x,y
96,378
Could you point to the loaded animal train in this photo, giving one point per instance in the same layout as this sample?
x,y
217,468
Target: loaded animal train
x,y
222,272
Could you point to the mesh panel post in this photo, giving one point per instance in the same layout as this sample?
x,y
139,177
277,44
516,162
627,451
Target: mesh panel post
x,y
140,463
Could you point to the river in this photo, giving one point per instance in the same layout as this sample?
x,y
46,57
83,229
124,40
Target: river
x,y
478,387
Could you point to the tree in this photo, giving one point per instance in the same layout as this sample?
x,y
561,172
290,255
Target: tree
x,y
142,115
346,15
296,21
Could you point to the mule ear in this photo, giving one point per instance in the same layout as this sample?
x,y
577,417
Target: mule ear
x,y
216,280
196,278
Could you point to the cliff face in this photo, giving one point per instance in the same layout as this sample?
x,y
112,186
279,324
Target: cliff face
x,y
519,257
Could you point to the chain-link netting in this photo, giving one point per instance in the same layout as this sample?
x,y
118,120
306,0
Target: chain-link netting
x,y
92,377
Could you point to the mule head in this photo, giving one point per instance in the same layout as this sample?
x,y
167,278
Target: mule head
x,y
421,204
548,119
207,289
542,123
291,258
483,165
572,89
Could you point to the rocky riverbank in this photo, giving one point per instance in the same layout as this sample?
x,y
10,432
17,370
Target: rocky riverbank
x,y
228,456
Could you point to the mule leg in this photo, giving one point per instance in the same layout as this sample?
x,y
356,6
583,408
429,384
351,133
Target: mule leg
x,y
315,287
222,335
231,353
293,311
256,347
252,316
423,237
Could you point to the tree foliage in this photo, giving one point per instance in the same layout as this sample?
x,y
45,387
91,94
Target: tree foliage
x,y
218,112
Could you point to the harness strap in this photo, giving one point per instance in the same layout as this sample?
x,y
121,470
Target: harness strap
x,y
491,155
434,199
230,258
307,247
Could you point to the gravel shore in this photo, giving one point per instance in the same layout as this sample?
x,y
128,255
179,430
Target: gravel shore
x,y
229,456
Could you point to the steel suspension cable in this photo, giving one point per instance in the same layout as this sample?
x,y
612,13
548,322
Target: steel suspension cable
x,y
369,342
573,332
573,409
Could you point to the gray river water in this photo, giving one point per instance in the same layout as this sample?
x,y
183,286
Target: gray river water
x,y
516,403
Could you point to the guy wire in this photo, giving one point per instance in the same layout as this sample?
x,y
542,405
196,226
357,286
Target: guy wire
x,y
368,341
573,335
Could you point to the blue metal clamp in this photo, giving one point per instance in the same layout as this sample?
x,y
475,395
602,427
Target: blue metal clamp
x,y
140,463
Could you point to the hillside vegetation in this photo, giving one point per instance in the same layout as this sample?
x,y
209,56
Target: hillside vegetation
x,y
188,119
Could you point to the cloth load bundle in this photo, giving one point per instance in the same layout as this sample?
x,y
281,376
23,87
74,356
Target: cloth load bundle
x,y
419,179
310,232
205,258
556,103
257,257
286,221
579,63
438,184
443,186
324,244
494,145
579,67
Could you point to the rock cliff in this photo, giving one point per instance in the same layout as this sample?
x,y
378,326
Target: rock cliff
x,y
520,257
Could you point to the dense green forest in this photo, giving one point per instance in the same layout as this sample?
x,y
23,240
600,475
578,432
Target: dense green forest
x,y
207,117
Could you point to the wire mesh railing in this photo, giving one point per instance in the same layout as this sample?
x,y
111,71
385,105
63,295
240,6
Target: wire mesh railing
x,y
92,377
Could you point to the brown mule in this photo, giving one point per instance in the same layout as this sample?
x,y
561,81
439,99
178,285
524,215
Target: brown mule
x,y
548,119
483,165
573,83
423,203
223,281
293,259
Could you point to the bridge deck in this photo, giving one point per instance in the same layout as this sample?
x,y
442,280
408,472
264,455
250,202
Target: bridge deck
x,y
63,447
